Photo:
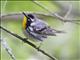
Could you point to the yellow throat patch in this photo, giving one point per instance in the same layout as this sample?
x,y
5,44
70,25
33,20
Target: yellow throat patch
x,y
24,23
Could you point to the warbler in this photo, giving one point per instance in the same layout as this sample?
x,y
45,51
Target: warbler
x,y
36,28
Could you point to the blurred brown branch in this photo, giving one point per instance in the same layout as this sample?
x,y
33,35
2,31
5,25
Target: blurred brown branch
x,y
29,43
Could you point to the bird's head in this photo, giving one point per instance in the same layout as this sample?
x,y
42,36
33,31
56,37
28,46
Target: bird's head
x,y
27,20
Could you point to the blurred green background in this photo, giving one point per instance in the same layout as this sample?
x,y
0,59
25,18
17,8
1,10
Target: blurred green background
x,y
64,46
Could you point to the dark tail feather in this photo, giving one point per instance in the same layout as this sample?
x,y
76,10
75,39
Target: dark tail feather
x,y
50,34
60,32
57,31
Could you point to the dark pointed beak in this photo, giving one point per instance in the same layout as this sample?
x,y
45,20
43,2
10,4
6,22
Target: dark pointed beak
x,y
24,14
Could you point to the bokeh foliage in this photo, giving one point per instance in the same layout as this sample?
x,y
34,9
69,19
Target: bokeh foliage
x,y
63,46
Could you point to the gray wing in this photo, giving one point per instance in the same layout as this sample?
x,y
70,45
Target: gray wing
x,y
40,27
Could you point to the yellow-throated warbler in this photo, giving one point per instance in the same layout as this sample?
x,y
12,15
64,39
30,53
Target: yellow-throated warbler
x,y
36,28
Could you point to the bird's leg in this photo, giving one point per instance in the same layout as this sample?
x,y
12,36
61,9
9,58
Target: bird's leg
x,y
40,45
25,38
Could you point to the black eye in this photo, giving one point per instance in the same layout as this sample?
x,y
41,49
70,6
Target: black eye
x,y
31,16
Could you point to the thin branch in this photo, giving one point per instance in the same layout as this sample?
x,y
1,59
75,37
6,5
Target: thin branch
x,y
7,48
3,8
29,43
55,14
68,12
13,15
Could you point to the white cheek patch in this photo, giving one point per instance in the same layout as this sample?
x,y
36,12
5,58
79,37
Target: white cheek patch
x,y
32,24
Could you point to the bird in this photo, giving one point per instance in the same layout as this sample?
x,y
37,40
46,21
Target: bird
x,y
37,29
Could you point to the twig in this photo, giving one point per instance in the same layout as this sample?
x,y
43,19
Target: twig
x,y
68,12
9,15
55,14
3,8
7,48
28,42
